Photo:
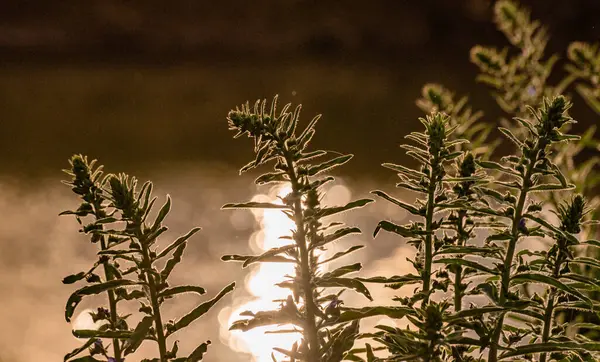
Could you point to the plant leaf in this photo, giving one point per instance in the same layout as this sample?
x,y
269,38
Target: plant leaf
x,y
138,335
408,207
182,289
549,280
78,295
328,211
255,205
177,242
200,310
199,352
314,170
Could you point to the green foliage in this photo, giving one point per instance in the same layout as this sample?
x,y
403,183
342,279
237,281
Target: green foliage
x,y
537,175
314,306
480,294
585,66
518,79
130,258
437,98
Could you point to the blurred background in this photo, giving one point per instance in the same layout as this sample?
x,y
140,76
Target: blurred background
x,y
145,88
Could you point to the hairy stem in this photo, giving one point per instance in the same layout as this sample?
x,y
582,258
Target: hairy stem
x,y
310,328
112,302
549,312
510,253
458,273
112,307
428,240
160,334
432,188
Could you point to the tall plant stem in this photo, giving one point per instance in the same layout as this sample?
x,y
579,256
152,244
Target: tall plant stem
x,y
510,253
112,302
160,334
458,273
549,312
428,242
112,306
310,328
428,229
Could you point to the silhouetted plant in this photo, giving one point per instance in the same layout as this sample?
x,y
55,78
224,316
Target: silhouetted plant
x,y
477,297
529,74
436,336
131,259
437,98
328,329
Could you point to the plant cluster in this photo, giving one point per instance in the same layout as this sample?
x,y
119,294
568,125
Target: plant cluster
x,y
132,268
481,291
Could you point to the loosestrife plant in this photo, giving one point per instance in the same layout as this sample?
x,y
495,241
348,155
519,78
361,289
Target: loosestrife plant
x,y
523,77
480,293
314,307
511,325
134,269
442,190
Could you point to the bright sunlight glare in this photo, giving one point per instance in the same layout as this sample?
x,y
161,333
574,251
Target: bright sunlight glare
x,y
84,321
261,282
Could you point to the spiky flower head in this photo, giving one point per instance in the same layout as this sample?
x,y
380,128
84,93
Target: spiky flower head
x,y
122,191
552,117
436,131
467,166
81,171
571,214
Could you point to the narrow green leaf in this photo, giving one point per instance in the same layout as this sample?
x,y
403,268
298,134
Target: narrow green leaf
x,y
169,292
70,279
396,279
468,263
80,349
351,314
491,165
548,280
334,236
314,170
342,271
508,133
328,211
200,310
408,207
78,295
255,205
138,335
271,255
551,187
586,261
552,227
177,243
351,283
271,177
342,253
391,227
92,333
162,214
550,347
173,261
404,170
265,318
467,250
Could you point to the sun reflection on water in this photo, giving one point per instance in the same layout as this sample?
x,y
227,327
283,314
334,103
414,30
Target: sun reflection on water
x,y
261,285
264,294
